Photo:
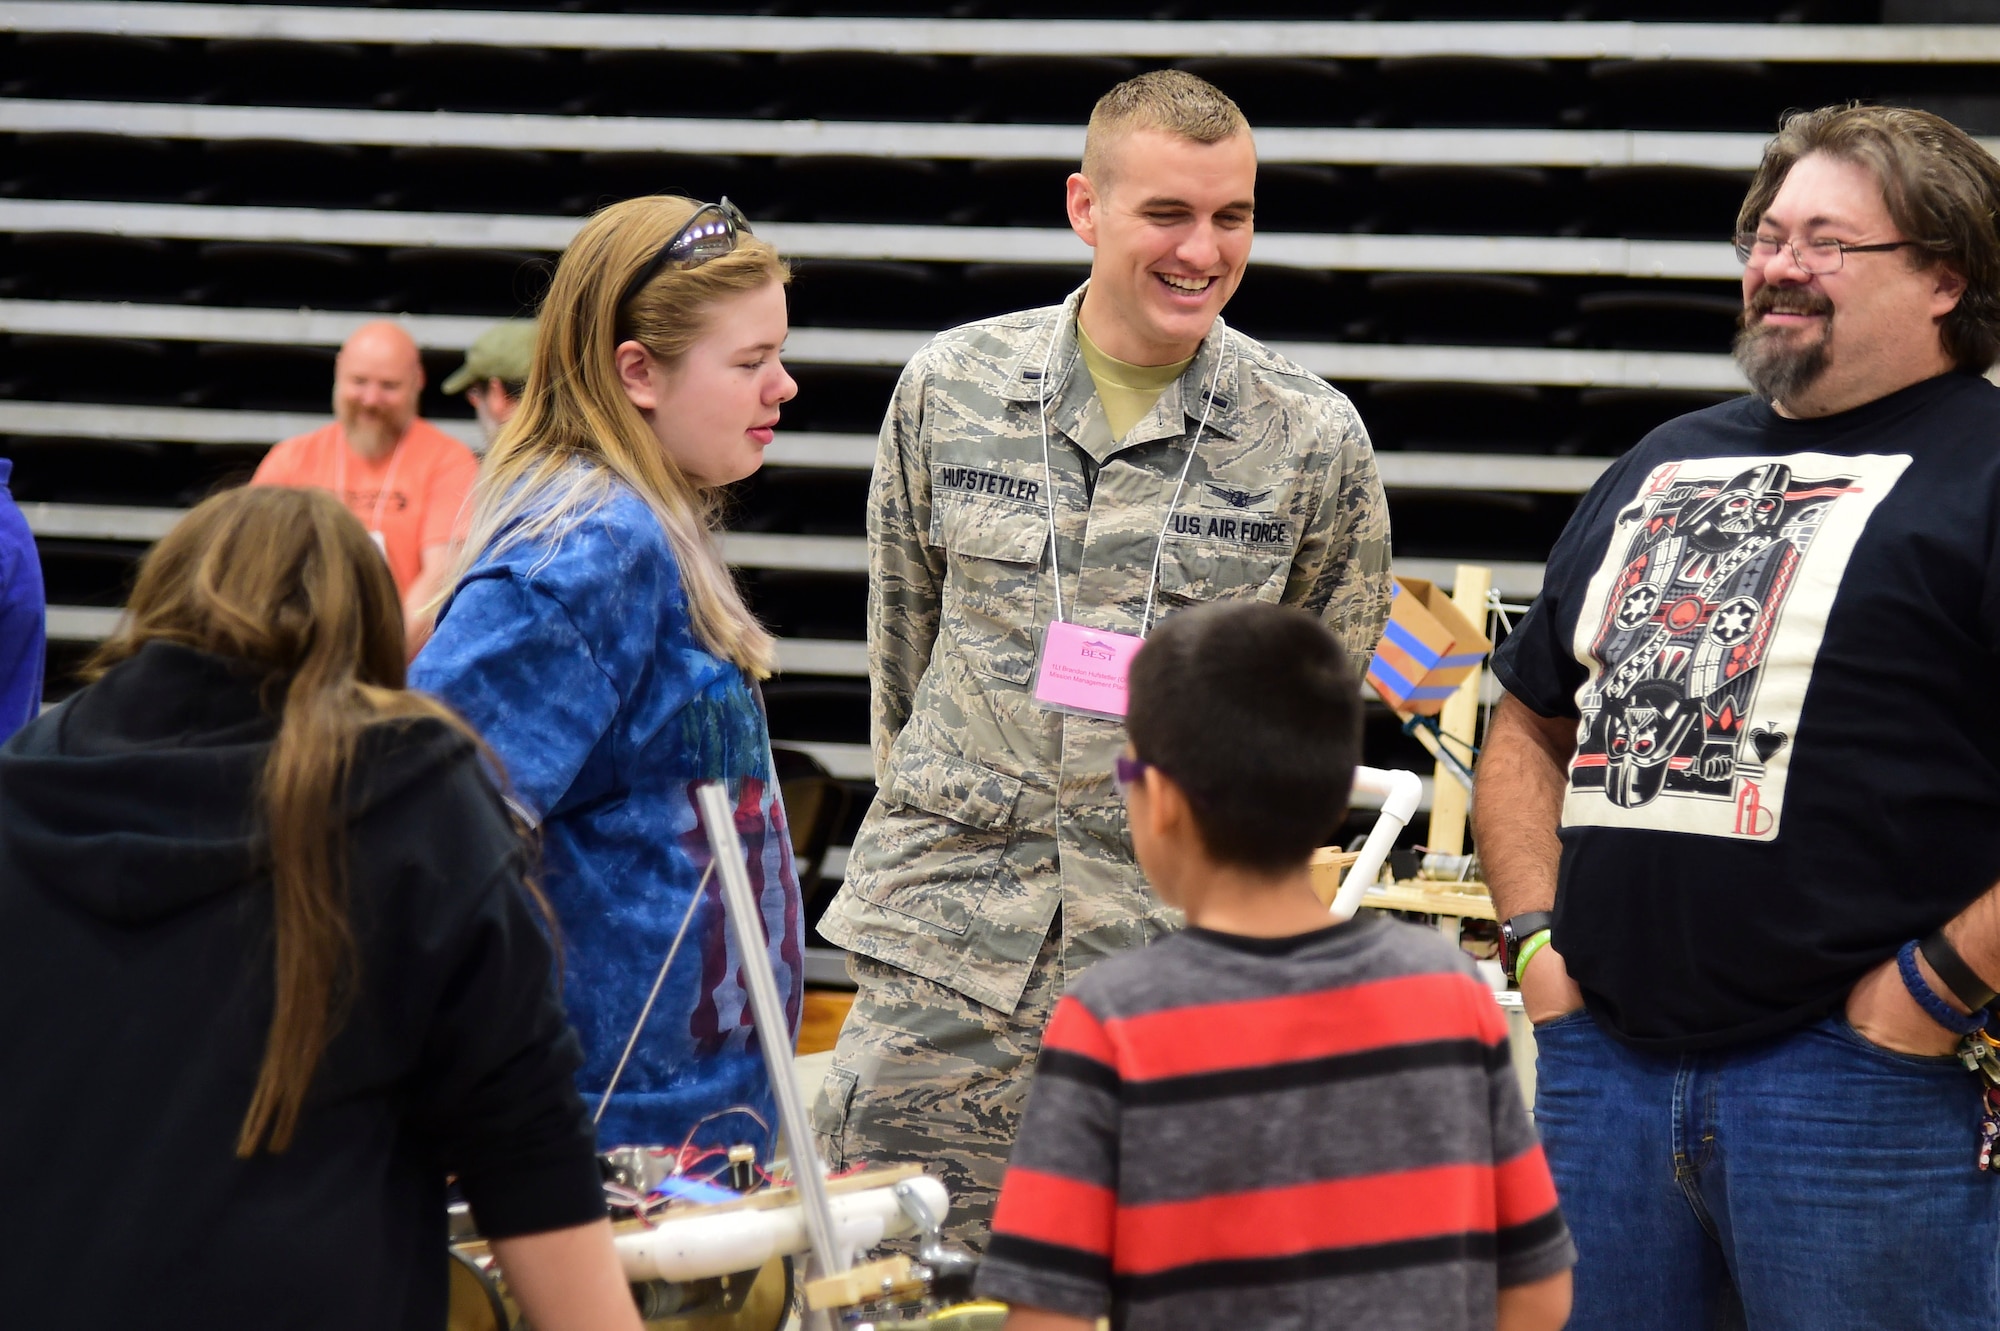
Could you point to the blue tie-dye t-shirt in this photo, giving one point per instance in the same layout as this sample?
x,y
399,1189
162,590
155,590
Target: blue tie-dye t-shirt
x,y
575,658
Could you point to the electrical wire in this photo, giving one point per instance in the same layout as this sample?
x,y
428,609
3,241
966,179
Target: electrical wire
x,y
706,1119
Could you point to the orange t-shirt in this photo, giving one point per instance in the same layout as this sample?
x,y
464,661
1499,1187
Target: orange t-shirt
x,y
414,498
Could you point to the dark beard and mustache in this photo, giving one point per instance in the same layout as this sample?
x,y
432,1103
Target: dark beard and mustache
x,y
1777,367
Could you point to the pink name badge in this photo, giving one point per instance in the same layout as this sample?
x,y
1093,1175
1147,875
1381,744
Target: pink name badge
x,y
1083,670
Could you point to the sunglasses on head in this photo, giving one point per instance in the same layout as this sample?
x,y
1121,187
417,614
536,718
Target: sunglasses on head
x,y
711,233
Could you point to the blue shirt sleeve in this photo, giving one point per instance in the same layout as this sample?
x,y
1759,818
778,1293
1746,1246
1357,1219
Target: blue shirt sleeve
x,y
509,659
22,618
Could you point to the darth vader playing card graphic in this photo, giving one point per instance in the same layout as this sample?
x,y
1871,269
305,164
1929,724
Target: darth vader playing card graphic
x,y
1700,632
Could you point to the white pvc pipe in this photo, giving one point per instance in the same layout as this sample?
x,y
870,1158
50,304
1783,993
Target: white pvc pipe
x,y
698,1247
1401,792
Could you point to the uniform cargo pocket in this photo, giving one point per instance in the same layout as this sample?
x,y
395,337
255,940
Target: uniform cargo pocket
x,y
830,1106
996,585
936,843
1212,571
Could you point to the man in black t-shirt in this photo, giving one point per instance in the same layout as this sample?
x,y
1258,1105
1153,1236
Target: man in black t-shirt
x,y
1740,810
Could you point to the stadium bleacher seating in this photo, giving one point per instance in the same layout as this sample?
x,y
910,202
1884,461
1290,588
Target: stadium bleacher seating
x,y
1501,231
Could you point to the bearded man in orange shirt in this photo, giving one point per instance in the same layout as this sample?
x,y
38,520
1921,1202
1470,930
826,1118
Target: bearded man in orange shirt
x,y
404,478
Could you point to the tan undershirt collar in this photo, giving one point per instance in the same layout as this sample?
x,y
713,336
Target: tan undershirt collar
x,y
1127,391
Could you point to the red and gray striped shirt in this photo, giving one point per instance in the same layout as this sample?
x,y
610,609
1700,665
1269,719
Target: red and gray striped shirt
x,y
1322,1130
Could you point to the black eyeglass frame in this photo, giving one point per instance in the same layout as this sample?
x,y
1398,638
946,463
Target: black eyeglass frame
x,y
1746,245
691,245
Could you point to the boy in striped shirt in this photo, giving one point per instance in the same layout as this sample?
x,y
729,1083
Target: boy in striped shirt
x,y
1267,1121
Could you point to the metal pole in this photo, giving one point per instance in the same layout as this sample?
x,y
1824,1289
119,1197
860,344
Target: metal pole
x,y
747,922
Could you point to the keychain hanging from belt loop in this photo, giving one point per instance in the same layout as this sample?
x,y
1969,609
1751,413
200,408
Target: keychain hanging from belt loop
x,y
1980,1053
1081,669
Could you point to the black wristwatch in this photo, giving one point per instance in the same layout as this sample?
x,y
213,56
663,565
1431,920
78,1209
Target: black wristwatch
x,y
1517,930
1961,979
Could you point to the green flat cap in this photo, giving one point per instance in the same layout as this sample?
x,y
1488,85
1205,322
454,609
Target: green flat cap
x,y
502,352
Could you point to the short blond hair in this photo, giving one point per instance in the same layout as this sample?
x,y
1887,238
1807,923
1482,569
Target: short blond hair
x,y
1171,100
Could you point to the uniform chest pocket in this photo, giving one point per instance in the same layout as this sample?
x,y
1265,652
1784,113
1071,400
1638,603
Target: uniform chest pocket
x,y
1193,570
995,583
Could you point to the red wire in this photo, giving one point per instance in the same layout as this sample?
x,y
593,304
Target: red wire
x,y
684,1165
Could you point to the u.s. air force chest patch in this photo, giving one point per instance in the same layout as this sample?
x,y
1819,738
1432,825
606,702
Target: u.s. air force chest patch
x,y
1263,530
1230,514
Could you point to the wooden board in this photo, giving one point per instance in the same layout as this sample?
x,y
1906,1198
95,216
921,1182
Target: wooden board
x,y
1465,900
825,1013
1460,721
783,1195
1328,864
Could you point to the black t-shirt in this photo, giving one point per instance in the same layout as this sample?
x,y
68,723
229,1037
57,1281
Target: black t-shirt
x,y
1782,642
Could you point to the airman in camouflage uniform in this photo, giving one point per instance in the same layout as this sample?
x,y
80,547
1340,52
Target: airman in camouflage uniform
x,y
995,860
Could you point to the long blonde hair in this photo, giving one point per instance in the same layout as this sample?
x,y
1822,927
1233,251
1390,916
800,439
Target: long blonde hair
x,y
288,580
576,435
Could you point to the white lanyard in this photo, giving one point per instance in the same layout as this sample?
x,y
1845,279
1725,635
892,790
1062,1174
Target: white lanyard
x,y
1049,484
381,495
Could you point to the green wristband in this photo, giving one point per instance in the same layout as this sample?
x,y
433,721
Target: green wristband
x,y
1536,942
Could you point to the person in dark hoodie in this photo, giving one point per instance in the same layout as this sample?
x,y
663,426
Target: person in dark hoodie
x,y
271,969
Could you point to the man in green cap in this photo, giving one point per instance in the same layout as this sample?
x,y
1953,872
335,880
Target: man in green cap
x,y
494,373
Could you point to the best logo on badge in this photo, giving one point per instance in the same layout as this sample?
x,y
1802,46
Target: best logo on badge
x,y
1428,648
1083,670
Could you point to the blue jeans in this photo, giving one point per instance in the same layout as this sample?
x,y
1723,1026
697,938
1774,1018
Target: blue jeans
x,y
1813,1181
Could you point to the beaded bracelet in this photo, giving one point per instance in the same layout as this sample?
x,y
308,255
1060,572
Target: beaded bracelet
x,y
1536,942
1936,1008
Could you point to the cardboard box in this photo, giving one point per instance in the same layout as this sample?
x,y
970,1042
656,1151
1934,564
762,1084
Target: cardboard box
x,y
1328,865
1427,650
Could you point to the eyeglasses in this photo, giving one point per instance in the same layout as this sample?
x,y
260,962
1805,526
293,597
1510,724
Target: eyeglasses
x,y
711,233
1127,773
1818,256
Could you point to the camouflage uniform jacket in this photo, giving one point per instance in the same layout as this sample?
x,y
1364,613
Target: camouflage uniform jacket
x,y
962,861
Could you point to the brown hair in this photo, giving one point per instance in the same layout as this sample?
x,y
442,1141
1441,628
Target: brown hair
x,y
1942,190
1172,100
576,432
288,581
